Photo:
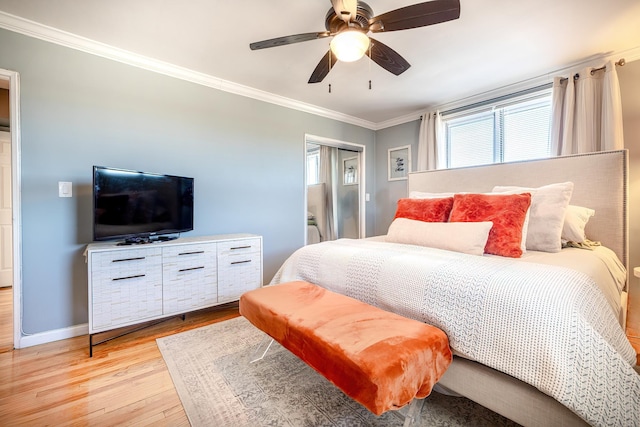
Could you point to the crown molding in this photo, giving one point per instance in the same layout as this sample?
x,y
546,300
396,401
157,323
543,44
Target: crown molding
x,y
53,35
416,115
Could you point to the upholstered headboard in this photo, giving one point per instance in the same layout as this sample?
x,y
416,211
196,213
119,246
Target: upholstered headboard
x,y
600,183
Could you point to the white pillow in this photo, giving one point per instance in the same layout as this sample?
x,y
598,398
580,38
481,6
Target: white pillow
x,y
465,237
575,221
548,208
423,195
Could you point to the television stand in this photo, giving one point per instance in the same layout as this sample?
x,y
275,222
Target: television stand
x,y
130,286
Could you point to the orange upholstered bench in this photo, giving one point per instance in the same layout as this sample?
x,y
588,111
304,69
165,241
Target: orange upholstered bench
x,y
379,359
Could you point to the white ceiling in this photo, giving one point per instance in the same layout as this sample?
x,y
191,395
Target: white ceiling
x,y
493,44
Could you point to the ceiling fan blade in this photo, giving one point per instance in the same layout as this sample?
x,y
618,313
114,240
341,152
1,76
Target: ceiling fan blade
x,y
387,58
345,9
323,67
417,15
281,41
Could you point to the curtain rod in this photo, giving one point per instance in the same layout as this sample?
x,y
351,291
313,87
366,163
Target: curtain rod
x,y
576,76
620,63
496,99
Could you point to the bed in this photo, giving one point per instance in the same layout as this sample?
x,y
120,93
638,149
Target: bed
x,y
535,340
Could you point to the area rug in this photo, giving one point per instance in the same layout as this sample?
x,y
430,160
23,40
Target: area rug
x,y
219,387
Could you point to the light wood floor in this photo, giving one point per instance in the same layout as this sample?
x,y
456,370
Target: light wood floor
x,y
6,319
125,382
633,325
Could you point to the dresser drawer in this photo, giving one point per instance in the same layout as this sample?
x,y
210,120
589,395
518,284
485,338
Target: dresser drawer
x,y
239,268
126,287
125,265
239,247
176,258
189,277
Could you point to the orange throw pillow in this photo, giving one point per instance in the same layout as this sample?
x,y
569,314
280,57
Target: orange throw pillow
x,y
427,210
507,212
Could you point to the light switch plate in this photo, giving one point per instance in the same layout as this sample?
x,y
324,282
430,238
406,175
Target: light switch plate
x,y
64,189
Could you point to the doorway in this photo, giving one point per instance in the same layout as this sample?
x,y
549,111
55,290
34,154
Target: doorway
x,y
10,259
334,179
6,251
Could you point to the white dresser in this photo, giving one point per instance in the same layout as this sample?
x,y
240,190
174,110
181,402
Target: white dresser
x,y
134,284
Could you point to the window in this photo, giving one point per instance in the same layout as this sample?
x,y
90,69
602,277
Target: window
x,y
510,129
313,167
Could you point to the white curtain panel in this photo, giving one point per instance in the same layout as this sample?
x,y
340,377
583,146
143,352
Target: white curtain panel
x,y
328,156
587,112
612,133
562,107
428,141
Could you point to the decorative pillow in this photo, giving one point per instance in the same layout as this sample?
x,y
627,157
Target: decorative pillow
x,y
575,221
428,210
507,212
423,195
548,207
465,237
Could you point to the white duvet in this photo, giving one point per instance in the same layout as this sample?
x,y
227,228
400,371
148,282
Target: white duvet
x,y
549,326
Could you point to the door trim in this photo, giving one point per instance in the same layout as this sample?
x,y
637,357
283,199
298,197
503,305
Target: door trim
x,y
321,140
16,214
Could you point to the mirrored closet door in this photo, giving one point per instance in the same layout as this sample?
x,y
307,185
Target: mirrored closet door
x,y
334,180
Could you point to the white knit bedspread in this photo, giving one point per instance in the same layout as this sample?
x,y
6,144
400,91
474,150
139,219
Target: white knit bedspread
x,y
548,326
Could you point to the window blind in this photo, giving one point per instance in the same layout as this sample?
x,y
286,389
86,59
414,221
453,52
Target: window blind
x,y
511,129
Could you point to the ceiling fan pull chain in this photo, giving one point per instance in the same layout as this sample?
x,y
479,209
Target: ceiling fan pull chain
x,y
330,67
370,65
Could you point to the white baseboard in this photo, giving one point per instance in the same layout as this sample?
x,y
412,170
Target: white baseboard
x,y
51,336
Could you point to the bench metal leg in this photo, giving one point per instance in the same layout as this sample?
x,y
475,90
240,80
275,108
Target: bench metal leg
x,y
412,417
262,344
411,413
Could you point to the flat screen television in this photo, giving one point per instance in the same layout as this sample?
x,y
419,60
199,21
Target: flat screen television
x,y
140,207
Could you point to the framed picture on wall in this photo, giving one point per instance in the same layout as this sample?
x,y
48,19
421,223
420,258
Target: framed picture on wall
x,y
350,171
399,162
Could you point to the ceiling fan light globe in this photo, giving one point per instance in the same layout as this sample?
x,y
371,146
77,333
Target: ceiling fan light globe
x,y
350,45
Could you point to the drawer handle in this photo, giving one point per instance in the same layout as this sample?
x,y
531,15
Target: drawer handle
x,y
240,247
241,262
191,253
129,277
129,259
189,269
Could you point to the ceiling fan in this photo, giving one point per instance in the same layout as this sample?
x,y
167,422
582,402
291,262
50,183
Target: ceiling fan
x,y
349,22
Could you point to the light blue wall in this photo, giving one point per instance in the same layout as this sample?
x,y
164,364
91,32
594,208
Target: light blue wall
x,y
80,110
388,192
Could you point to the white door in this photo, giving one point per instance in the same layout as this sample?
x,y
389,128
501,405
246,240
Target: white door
x,y
6,252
